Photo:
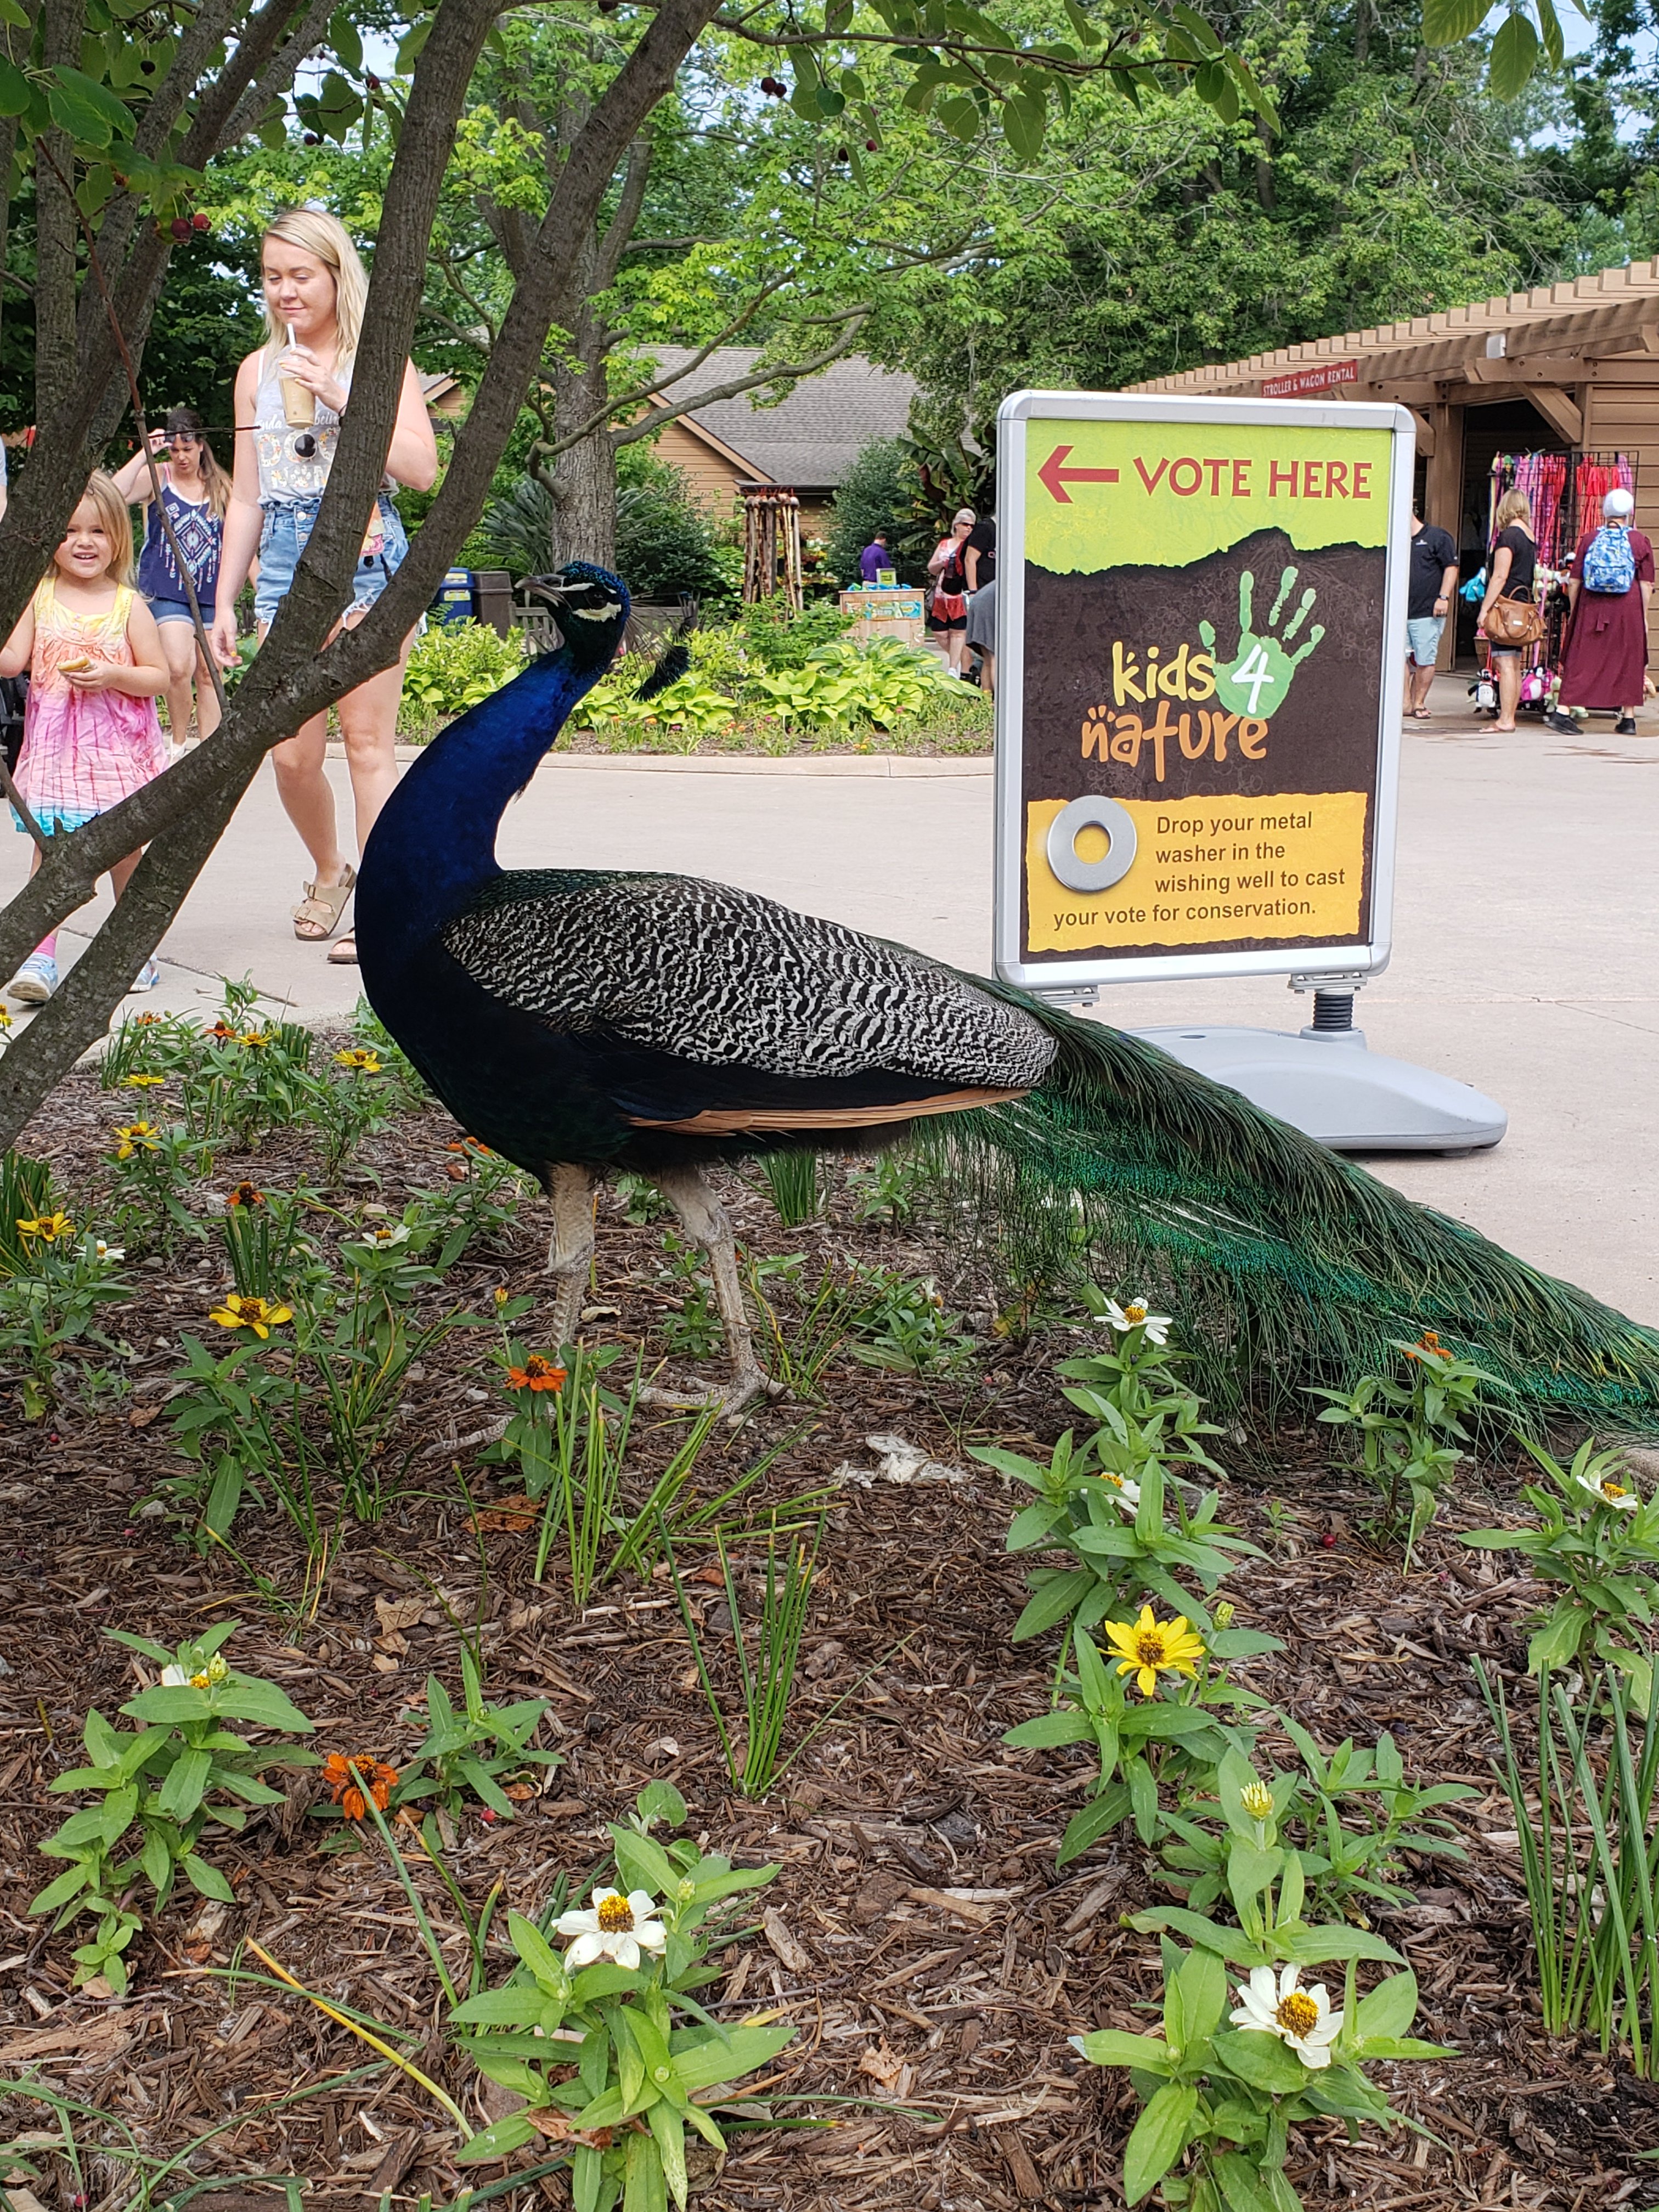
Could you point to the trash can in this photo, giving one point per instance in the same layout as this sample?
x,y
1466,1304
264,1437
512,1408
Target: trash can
x,y
492,599
453,603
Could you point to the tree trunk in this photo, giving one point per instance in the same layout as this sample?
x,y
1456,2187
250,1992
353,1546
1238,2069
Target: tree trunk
x,y
585,475
55,301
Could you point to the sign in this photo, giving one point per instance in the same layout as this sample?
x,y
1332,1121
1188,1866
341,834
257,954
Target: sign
x,y
1201,633
1310,379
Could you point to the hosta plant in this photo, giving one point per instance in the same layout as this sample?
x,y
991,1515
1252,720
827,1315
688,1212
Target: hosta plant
x,y
614,2056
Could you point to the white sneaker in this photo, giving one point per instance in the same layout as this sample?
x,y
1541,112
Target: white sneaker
x,y
147,978
35,981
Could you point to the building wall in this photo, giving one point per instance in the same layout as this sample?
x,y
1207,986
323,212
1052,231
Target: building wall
x,y
712,479
1621,415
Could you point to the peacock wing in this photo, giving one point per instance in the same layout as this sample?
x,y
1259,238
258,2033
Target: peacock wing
x,y
770,1003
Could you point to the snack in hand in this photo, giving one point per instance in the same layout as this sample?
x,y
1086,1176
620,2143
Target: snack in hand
x,y
75,667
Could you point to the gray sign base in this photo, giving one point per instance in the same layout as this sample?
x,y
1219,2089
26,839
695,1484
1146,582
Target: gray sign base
x,y
1335,1090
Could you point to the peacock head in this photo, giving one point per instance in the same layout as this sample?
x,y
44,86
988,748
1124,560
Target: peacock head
x,y
591,606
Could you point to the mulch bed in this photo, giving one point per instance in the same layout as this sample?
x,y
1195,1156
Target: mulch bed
x,y
930,1953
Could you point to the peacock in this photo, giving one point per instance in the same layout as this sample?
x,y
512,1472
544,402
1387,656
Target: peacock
x,y
581,1021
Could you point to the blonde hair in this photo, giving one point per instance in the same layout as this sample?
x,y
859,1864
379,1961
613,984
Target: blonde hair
x,y
316,231
1514,506
117,518
963,514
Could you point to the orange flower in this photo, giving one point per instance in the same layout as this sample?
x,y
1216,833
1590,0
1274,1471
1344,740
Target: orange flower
x,y
222,1030
245,1194
536,1374
349,1778
469,1145
1427,1345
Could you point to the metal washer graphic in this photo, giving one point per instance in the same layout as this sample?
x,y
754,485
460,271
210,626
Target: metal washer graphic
x,y
1092,813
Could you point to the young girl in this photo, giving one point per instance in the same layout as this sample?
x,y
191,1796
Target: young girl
x,y
195,492
91,735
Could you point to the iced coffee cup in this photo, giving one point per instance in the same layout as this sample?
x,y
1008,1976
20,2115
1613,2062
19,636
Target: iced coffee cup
x,y
299,400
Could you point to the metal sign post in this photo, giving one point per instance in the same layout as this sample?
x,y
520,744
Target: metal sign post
x,y
1201,617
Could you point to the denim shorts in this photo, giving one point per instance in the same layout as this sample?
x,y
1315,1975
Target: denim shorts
x,y
166,610
1423,634
283,540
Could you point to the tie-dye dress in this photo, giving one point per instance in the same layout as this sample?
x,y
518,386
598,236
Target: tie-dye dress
x,y
83,750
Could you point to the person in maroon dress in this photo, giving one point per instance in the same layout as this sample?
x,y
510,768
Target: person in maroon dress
x,y
1606,659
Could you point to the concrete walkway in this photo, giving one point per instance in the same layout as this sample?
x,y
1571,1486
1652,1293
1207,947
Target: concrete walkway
x,y
1526,960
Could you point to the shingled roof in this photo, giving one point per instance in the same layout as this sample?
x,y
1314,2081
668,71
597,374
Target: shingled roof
x,y
810,440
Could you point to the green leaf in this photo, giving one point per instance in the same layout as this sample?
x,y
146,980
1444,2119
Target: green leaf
x,y
1318,1947
1201,1988
170,1704
88,111
182,1791
1513,57
1110,2046
1549,25
536,1952
247,1699
1241,2184
1159,2137
1391,2007
1054,1597
1261,2060
1250,1870
669,2131
157,1861
343,37
502,2137
1048,1730
1024,121
660,1801
207,1881
644,2189
14,89
704,2059
643,1865
1446,22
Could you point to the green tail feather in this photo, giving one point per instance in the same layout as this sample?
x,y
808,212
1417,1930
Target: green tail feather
x,y
1302,1267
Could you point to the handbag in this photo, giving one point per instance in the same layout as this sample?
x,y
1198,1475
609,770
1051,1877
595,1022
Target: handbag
x,y
1514,622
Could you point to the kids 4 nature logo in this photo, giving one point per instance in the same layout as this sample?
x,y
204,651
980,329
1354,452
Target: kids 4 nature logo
x,y
1248,684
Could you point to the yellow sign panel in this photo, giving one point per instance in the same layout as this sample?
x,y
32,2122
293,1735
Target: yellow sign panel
x,y
1109,495
1208,871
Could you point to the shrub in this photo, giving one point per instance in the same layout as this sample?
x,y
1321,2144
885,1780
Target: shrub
x,y
665,544
456,665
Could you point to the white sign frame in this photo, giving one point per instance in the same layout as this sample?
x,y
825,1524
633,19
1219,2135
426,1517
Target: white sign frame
x,y
1023,407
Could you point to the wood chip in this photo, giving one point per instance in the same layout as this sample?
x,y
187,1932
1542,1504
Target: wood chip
x,y
787,1949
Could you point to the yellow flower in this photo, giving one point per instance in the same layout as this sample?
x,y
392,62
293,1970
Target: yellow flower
x,y
1146,1647
1257,1800
256,1314
49,1229
215,1670
365,1063
136,1136
5,1019
257,1037
141,1082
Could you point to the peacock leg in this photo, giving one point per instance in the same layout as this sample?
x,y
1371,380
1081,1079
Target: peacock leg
x,y
704,1221
570,1254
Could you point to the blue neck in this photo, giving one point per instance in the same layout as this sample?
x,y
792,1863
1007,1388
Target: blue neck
x,y
434,846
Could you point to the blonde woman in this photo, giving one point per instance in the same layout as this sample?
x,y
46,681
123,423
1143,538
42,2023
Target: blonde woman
x,y
1510,575
195,491
291,397
947,609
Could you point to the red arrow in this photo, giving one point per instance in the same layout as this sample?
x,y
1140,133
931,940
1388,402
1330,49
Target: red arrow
x,y
1054,478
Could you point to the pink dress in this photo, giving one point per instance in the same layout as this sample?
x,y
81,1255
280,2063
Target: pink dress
x,y
83,750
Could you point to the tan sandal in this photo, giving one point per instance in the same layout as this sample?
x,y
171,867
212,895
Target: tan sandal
x,y
345,954
318,914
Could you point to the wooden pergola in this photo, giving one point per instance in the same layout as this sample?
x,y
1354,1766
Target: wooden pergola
x,y
1583,356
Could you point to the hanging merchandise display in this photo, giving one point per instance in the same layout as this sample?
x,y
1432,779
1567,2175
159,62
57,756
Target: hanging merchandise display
x,y
1564,491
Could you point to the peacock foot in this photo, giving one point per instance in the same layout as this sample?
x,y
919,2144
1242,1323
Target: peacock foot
x,y
748,1384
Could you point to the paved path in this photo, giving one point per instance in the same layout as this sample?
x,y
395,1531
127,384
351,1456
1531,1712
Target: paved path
x,y
1526,961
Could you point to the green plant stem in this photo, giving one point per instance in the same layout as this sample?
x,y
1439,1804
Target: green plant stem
x,y
414,1897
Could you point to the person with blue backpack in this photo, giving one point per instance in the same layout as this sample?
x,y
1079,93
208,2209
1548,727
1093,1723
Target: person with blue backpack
x,y
1610,583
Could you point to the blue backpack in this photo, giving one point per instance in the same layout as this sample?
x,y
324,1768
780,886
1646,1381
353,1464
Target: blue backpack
x,y
1609,564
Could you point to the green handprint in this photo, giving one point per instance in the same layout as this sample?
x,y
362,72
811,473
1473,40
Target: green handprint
x,y
1260,675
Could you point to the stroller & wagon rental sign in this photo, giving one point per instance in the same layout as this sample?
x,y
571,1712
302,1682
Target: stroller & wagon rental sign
x,y
1200,622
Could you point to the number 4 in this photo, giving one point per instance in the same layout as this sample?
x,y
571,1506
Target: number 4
x,y
1254,670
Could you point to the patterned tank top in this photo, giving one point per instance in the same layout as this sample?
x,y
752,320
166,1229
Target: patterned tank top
x,y
286,475
199,532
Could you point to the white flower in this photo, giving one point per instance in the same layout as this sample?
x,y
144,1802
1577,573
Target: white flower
x,y
616,1927
1125,1491
111,1251
379,1235
174,1678
1609,1492
1302,2018
1138,1314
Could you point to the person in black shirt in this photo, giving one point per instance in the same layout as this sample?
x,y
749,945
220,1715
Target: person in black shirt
x,y
1510,576
979,555
1432,576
